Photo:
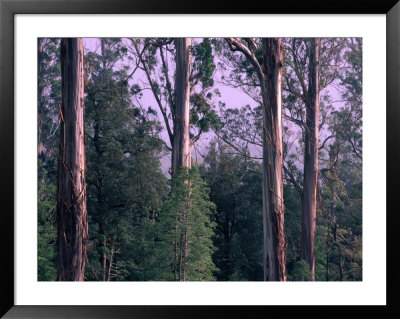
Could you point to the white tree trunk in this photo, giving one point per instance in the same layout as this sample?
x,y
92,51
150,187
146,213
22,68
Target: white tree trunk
x,y
309,201
181,154
273,206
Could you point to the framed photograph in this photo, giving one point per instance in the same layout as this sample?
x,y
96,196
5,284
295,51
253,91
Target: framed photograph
x,y
211,262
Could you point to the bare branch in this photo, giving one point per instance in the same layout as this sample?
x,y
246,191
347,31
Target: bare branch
x,y
324,142
291,178
169,86
152,85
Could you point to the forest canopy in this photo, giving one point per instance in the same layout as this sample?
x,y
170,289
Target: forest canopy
x,y
204,159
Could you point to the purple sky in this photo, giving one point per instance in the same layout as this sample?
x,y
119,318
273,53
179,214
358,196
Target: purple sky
x,y
233,98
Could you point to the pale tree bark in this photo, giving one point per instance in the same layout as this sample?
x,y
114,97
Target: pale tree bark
x,y
181,154
40,104
270,77
111,262
273,206
72,226
309,201
178,132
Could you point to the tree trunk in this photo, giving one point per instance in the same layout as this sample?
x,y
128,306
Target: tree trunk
x,y
40,103
181,155
110,264
327,255
100,198
273,207
186,231
332,178
72,227
175,262
341,266
104,257
309,202
181,243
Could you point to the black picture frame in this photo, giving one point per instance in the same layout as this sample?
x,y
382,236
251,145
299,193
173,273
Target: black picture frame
x,y
9,8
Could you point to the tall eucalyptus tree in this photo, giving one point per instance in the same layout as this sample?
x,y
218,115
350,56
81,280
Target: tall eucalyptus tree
x,y
181,153
309,201
72,225
179,73
268,70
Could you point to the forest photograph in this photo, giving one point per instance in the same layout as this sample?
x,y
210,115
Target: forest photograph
x,y
199,159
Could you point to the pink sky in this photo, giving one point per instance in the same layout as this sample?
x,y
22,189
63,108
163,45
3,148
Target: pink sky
x,y
233,98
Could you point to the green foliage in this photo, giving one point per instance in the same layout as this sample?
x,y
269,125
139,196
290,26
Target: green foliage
x,y
236,70
47,231
342,180
241,127
300,272
185,229
125,183
236,190
320,253
202,114
49,97
140,224
292,227
203,65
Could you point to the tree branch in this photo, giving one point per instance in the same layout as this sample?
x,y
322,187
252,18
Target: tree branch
x,y
238,46
163,111
291,178
323,143
169,86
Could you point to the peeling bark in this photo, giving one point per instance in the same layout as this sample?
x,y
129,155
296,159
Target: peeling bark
x,y
72,227
273,206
